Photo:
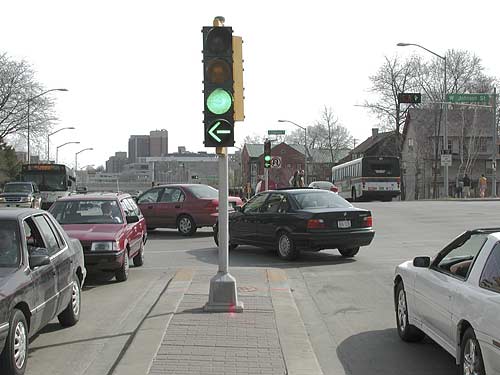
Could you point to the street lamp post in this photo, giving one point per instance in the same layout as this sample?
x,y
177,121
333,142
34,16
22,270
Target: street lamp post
x,y
76,156
305,146
445,127
28,117
64,144
48,140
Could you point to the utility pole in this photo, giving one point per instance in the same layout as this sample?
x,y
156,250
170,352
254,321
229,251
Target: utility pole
x,y
495,147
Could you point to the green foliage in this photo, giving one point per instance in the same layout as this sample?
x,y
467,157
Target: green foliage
x,y
9,165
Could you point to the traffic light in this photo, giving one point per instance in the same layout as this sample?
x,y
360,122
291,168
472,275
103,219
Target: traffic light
x,y
218,86
410,97
267,154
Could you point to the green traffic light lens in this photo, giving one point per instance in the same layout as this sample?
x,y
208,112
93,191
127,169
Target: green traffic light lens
x,y
219,101
267,158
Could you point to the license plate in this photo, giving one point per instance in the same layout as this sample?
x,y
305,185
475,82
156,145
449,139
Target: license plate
x,y
344,223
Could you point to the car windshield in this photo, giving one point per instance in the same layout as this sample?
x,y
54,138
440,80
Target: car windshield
x,y
204,191
47,182
10,254
321,185
320,199
17,188
88,211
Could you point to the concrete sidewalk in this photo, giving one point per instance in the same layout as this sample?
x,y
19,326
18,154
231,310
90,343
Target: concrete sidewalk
x,y
178,337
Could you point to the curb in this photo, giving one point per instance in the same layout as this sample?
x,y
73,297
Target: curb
x,y
298,352
141,352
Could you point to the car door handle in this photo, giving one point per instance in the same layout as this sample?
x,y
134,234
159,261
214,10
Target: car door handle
x,y
150,207
178,206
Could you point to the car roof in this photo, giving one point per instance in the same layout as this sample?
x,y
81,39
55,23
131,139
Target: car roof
x,y
17,213
95,196
19,183
294,190
181,185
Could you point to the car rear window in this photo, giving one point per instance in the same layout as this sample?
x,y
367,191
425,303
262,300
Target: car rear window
x,y
10,254
320,199
204,191
87,212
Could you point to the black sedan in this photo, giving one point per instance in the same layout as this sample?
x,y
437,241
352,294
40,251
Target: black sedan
x,y
41,275
296,220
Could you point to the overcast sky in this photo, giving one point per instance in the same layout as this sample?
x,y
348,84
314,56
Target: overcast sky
x,y
135,66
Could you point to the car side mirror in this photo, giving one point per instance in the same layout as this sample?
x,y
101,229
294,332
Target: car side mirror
x,y
39,257
422,262
132,219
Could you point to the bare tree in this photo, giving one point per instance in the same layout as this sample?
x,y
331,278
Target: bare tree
x,y
17,86
253,139
338,137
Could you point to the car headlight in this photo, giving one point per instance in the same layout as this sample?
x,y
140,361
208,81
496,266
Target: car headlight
x,y
104,246
25,199
2,199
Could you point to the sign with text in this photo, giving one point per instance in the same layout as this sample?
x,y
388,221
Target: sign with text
x,y
410,97
446,160
275,132
468,98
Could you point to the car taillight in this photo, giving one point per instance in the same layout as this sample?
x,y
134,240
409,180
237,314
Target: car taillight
x,y
315,224
334,189
212,205
368,221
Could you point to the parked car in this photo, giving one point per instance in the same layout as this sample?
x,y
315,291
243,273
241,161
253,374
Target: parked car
x,y
295,220
454,298
110,227
21,194
41,274
184,206
324,185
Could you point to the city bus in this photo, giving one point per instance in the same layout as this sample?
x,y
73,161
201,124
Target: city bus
x,y
368,178
53,180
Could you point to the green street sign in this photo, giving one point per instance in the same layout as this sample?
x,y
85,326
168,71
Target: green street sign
x,y
275,132
468,98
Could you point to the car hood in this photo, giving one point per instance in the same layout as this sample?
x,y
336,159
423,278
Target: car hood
x,y
94,232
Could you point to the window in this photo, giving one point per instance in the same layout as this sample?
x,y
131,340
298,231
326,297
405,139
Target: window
x,y
10,249
151,196
135,208
171,195
255,204
490,278
459,259
50,240
204,191
320,199
274,203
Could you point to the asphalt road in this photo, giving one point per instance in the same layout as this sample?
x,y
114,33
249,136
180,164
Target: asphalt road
x,y
346,304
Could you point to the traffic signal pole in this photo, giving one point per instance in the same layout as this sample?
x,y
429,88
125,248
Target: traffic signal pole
x,y
223,295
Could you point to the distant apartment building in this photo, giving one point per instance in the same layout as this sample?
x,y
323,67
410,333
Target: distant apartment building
x,y
138,146
158,143
116,163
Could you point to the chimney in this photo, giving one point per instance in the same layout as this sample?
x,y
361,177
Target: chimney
x,y
374,132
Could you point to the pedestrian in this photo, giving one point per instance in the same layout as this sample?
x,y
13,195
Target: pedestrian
x,y
301,179
294,180
258,187
482,185
466,181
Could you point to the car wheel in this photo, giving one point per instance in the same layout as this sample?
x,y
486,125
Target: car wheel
x,y
349,253
406,331
471,358
71,315
139,258
286,247
15,353
216,240
186,225
122,273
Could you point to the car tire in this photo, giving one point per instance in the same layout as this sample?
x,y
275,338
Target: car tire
x,y
286,247
349,253
71,315
471,357
15,353
406,331
186,225
139,258
122,274
216,240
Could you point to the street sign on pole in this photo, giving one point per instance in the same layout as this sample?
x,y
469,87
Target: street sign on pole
x,y
275,132
468,98
446,160
410,97
276,162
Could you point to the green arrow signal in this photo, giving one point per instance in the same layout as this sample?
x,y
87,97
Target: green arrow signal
x,y
211,131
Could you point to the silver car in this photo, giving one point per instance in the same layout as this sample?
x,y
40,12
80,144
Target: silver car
x,y
21,194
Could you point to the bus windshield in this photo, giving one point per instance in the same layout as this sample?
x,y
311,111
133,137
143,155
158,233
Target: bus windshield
x,y
381,167
47,181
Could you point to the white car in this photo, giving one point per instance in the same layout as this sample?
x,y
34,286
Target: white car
x,y
454,299
324,185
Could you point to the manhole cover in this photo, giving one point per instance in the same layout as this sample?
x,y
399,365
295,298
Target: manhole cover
x,y
247,289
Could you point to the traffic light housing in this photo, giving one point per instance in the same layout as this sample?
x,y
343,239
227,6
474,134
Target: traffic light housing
x,y
218,91
410,97
267,154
